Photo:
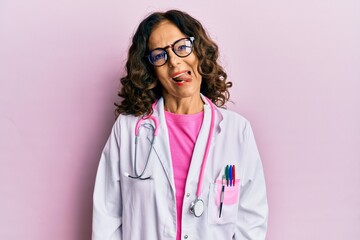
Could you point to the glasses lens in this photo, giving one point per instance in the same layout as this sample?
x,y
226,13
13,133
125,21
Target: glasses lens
x,y
158,57
183,47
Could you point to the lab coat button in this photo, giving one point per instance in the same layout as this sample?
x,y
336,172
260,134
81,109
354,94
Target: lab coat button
x,y
188,195
186,236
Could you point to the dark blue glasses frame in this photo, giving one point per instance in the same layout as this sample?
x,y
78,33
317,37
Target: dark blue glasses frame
x,y
182,48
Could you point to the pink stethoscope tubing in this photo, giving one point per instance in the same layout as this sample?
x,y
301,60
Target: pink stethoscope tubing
x,y
208,144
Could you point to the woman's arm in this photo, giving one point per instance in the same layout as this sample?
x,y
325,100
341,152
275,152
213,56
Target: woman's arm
x,y
107,215
253,207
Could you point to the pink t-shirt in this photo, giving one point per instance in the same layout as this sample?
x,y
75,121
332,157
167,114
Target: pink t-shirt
x,y
183,131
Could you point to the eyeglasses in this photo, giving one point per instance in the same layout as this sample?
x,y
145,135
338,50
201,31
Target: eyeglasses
x,y
182,48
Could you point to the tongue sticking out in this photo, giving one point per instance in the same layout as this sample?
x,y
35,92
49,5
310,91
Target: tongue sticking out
x,y
182,77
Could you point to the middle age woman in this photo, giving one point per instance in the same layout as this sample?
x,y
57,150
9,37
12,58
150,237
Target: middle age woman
x,y
178,186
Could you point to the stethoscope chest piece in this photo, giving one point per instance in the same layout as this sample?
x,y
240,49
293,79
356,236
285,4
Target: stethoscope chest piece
x,y
197,207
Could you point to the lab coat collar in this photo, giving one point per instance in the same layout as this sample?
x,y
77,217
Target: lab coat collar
x,y
159,112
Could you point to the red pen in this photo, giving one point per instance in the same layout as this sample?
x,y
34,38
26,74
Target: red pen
x,y
233,174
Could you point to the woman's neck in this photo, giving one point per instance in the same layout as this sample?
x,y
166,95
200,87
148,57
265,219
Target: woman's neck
x,y
188,105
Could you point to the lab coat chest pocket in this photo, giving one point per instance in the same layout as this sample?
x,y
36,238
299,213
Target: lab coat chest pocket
x,y
136,192
230,202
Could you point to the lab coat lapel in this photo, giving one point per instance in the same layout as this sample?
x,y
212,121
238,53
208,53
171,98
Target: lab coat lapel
x,y
162,145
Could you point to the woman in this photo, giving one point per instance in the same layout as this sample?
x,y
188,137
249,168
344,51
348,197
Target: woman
x,y
194,171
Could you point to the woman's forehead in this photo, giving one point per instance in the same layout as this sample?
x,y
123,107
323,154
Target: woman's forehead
x,y
164,34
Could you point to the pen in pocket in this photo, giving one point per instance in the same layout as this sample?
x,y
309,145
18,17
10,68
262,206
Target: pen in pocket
x,y
222,194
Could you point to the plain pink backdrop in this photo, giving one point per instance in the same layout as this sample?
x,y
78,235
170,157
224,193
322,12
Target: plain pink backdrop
x,y
296,72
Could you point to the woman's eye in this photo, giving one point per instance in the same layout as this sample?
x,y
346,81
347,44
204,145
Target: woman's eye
x,y
181,48
158,56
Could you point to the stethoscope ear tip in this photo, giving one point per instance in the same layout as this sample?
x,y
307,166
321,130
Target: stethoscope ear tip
x,y
126,174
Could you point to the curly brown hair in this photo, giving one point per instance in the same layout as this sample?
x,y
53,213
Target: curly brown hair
x,y
140,86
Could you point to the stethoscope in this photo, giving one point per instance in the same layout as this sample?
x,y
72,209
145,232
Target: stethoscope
x,y
197,206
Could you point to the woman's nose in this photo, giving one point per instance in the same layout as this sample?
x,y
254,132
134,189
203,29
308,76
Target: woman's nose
x,y
173,58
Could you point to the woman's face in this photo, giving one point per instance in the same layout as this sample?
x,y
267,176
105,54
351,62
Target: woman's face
x,y
179,76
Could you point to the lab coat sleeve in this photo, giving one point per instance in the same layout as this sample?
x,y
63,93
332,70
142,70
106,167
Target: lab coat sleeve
x,y
253,207
107,215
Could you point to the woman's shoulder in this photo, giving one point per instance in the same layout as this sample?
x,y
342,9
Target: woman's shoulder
x,y
233,122
122,118
124,121
232,116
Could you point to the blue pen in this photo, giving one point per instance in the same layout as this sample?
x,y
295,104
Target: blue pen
x,y
230,175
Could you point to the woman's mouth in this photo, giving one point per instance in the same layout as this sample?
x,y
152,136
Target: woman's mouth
x,y
181,77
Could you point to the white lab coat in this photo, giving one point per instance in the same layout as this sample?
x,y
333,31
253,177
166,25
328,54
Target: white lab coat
x,y
132,209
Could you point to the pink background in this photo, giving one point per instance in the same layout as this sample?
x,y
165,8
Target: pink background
x,y
296,72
